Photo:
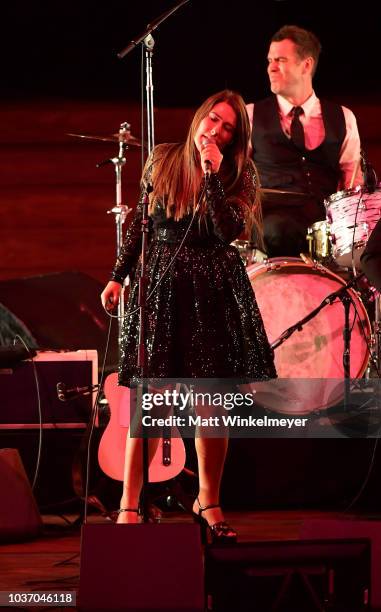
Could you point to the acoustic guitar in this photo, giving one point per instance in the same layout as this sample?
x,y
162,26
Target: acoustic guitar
x,y
169,459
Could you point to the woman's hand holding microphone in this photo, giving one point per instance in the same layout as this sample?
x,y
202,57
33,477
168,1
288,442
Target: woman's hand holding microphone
x,y
211,156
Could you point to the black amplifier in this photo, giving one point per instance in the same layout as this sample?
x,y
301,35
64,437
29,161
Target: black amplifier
x,y
50,380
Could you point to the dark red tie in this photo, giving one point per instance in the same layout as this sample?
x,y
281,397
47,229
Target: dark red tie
x,y
297,131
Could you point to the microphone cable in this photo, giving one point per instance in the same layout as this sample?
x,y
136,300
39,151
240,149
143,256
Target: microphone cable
x,y
38,394
94,414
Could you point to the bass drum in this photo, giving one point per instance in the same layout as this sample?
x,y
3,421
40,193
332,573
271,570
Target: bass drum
x,y
287,290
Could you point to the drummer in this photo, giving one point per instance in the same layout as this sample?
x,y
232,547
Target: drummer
x,y
304,148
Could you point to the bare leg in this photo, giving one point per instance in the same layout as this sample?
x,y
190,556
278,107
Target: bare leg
x,y
133,476
133,465
211,454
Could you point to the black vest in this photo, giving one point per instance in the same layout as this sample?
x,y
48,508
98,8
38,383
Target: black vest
x,y
282,166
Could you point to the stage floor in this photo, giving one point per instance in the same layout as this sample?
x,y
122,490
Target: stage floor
x,y
50,562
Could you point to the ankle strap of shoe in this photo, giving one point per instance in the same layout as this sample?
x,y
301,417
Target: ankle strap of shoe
x,y
208,507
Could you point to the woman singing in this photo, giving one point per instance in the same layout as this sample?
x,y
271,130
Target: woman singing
x,y
202,319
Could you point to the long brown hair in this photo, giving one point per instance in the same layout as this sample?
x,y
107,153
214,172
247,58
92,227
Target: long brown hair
x,y
176,170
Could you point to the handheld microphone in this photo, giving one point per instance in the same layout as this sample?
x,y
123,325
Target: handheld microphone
x,y
207,162
65,394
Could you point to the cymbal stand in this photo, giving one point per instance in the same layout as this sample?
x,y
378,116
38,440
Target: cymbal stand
x,y
120,211
377,333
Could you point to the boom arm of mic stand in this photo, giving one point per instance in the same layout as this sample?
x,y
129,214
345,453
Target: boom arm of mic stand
x,y
327,301
150,28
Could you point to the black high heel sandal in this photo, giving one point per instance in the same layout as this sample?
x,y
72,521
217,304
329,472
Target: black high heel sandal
x,y
127,510
221,533
154,514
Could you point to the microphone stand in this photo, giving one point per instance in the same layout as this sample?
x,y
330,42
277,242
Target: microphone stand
x,y
343,295
148,41
142,356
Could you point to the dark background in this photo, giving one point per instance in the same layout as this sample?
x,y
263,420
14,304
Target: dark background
x,y
68,49
60,75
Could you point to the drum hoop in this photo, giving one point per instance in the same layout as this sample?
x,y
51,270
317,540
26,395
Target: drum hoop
x,y
341,251
247,244
319,224
277,263
344,193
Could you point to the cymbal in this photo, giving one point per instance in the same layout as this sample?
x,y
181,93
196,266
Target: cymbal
x,y
265,190
125,137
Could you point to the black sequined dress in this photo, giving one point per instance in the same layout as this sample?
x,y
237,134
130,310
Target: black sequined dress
x,y
202,318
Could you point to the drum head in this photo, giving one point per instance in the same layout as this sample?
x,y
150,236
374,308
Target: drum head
x,y
287,290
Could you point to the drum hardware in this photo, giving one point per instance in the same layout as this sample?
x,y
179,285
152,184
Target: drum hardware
x,y
307,259
272,265
313,263
375,340
276,264
281,197
266,191
319,241
249,252
371,297
369,174
123,136
120,211
377,330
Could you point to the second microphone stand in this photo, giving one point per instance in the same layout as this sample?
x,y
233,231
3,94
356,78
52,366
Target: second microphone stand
x,y
343,295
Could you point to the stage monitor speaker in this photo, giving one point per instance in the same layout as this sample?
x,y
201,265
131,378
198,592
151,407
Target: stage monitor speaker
x,y
297,576
147,567
56,311
19,516
347,528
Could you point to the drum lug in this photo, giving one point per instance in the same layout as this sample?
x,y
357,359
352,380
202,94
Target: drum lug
x,y
319,267
271,266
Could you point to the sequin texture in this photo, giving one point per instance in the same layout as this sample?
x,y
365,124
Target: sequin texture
x,y
202,319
